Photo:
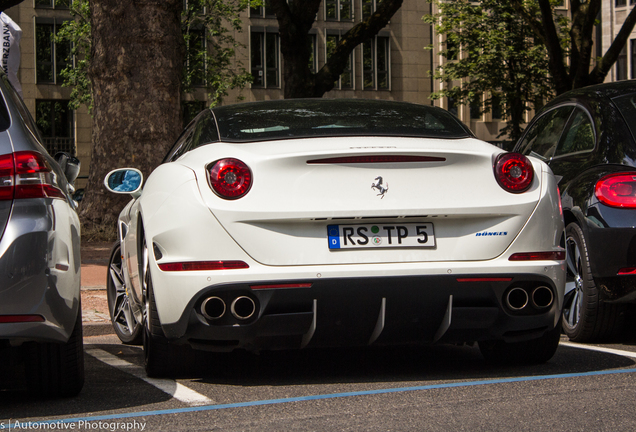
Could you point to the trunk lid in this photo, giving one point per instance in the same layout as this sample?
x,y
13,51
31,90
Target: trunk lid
x,y
285,217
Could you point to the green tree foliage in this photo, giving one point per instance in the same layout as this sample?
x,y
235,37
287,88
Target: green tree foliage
x,y
492,60
78,32
208,32
208,27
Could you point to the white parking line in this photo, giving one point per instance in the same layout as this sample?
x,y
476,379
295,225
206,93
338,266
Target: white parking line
x,y
171,387
601,349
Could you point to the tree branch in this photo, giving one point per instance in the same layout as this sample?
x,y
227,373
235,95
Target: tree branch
x,y
360,33
602,68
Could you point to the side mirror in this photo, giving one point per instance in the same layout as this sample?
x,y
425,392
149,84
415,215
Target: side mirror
x,y
70,166
124,181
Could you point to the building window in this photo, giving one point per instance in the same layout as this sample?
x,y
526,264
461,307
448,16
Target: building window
x,y
620,3
339,10
376,58
368,7
452,106
51,57
264,58
313,60
496,107
197,8
633,50
345,81
53,4
195,56
265,11
55,122
475,107
621,65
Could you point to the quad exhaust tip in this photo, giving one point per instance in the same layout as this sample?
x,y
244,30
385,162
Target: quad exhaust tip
x,y
540,298
243,307
213,308
517,299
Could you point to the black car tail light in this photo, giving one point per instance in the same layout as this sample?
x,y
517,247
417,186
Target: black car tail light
x,y
26,174
513,172
230,178
617,190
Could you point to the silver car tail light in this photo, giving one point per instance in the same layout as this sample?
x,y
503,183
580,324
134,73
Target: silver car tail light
x,y
27,174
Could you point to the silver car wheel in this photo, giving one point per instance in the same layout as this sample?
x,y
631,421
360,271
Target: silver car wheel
x,y
126,326
574,285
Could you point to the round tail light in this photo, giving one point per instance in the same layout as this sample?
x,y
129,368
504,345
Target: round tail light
x,y
230,178
617,190
513,172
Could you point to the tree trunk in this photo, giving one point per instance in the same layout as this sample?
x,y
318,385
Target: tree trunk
x,y
136,70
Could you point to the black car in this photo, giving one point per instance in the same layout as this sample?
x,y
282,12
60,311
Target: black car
x,y
588,137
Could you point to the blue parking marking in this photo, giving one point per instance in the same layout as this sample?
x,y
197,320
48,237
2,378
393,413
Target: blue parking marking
x,y
334,396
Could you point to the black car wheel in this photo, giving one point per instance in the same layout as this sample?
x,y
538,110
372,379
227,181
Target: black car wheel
x,y
57,369
127,328
161,358
585,317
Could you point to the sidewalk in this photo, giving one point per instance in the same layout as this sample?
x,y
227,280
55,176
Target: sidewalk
x,y
95,316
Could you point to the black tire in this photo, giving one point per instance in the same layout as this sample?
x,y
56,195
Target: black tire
x,y
57,369
161,358
585,317
535,351
127,328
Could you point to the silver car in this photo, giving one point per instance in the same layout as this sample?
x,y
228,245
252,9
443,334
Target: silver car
x,y
40,313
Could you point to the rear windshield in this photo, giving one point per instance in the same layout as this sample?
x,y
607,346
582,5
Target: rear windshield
x,y
627,106
305,118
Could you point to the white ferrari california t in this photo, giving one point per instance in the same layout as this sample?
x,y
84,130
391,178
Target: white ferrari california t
x,y
311,223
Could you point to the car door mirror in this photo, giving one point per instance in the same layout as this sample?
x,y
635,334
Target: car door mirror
x,y
124,181
70,166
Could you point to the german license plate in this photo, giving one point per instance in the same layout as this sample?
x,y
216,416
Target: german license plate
x,y
418,235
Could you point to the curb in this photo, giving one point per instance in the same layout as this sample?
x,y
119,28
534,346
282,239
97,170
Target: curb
x,y
97,329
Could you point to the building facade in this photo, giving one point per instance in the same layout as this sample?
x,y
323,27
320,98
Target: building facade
x,y
613,15
394,65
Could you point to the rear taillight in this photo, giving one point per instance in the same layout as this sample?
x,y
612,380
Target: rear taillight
x,y
8,319
202,266
376,159
513,172
230,178
617,190
27,174
7,170
538,256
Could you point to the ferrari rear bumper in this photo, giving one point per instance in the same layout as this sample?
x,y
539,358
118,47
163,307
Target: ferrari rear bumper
x,y
368,311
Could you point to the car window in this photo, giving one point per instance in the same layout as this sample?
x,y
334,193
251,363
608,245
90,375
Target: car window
x,y
22,109
201,130
579,136
181,144
307,118
542,137
5,120
205,131
627,106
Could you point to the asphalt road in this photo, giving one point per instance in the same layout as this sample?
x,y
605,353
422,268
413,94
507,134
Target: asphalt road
x,y
433,389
